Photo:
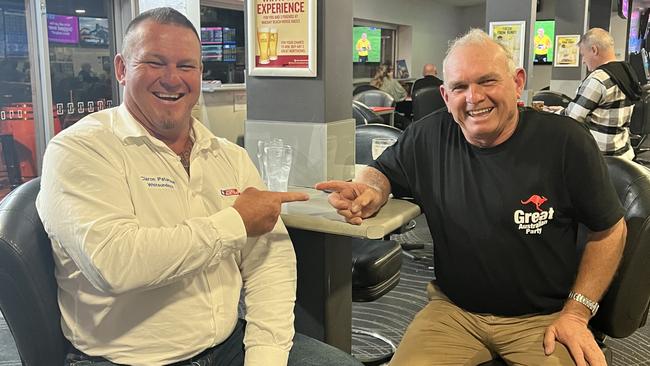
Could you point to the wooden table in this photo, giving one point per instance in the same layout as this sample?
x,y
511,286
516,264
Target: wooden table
x,y
320,239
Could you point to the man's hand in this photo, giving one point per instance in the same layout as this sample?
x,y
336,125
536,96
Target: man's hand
x,y
570,329
552,108
259,210
352,200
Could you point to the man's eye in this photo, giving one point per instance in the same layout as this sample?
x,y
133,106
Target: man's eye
x,y
154,63
187,67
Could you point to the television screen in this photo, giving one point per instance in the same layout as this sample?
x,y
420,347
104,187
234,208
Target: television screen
x,y
211,35
623,8
366,44
229,35
212,52
229,53
543,43
93,31
62,29
634,41
15,34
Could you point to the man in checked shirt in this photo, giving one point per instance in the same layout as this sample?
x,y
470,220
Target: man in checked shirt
x,y
605,99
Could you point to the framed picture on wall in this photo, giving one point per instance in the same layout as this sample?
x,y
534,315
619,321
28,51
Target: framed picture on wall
x,y
567,52
510,35
282,38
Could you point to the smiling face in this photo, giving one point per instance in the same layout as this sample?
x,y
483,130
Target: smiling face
x,y
161,75
481,92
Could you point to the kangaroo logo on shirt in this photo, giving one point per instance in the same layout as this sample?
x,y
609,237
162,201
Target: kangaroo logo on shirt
x,y
533,222
536,200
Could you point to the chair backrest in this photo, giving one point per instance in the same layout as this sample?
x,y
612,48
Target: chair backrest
x,y
550,97
640,121
375,98
624,307
364,115
426,99
28,289
362,88
363,139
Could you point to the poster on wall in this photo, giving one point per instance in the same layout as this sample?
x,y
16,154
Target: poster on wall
x,y
511,36
567,52
282,38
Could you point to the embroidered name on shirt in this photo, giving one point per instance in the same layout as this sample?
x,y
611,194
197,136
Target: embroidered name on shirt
x,y
158,182
532,222
229,192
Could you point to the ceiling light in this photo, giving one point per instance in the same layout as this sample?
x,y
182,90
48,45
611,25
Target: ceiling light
x,y
80,11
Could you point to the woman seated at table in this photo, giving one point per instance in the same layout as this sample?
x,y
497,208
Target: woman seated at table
x,y
383,80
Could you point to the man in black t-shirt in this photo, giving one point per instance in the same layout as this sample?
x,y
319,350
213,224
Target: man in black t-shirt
x,y
503,191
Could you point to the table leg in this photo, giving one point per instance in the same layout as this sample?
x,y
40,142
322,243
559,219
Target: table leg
x,y
324,297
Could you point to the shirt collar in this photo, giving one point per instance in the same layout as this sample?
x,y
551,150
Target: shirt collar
x,y
126,127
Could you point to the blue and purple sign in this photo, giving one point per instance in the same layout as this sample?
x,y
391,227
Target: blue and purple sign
x,y
62,29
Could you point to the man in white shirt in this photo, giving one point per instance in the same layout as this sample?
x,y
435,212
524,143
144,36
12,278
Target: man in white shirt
x,y
157,225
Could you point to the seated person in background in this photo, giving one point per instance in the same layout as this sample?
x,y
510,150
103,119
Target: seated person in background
x,y
429,78
383,80
165,224
605,99
503,191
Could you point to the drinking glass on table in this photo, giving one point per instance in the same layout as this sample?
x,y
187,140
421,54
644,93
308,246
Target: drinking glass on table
x,y
277,166
379,144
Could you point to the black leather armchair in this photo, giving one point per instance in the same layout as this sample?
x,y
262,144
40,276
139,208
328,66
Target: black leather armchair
x,y
426,100
640,127
624,308
363,139
364,115
362,88
550,97
375,98
28,288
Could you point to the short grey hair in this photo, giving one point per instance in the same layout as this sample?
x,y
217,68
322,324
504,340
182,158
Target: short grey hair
x,y
478,37
597,37
162,15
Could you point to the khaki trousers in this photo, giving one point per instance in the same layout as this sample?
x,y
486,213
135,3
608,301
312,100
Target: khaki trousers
x,y
444,334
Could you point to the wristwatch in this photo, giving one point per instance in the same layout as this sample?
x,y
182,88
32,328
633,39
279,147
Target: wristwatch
x,y
584,300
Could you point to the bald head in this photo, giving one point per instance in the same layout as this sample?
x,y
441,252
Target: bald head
x,y
429,70
598,37
596,48
479,39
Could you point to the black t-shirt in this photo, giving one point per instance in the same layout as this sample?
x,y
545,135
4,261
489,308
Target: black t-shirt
x,y
504,219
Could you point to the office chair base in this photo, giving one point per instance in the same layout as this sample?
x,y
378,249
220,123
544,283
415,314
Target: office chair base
x,y
376,360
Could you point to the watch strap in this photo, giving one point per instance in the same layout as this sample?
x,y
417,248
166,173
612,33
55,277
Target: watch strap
x,y
584,300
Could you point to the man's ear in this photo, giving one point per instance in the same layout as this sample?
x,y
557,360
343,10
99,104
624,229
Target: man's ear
x,y
443,93
120,69
520,80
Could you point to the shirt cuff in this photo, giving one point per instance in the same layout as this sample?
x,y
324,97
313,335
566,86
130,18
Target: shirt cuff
x,y
230,226
265,355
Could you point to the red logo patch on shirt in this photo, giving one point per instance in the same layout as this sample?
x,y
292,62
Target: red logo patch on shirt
x,y
230,192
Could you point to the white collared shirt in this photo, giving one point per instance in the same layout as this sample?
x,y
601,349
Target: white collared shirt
x,y
150,262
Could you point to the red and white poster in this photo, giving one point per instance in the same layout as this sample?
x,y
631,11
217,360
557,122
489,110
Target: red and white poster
x,y
282,37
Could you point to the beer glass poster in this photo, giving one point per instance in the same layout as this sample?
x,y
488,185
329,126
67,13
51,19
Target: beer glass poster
x,y
281,37
511,36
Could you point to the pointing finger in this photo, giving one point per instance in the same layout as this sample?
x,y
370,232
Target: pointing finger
x,y
332,185
291,196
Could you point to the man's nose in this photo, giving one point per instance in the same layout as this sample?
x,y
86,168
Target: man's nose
x,y
474,94
171,77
